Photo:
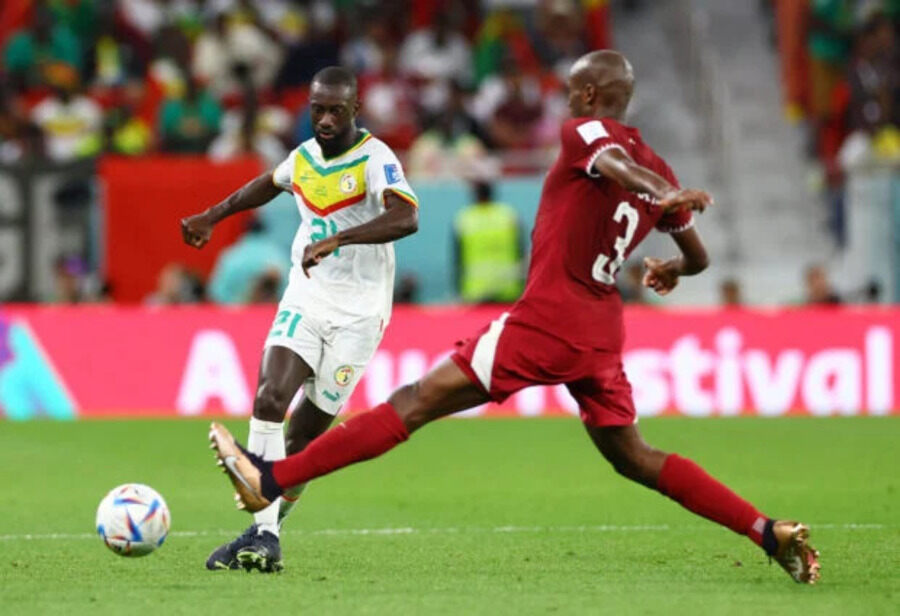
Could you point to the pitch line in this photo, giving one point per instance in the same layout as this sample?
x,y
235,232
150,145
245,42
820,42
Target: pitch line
x,y
408,530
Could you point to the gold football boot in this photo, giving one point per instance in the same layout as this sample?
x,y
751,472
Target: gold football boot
x,y
243,473
794,553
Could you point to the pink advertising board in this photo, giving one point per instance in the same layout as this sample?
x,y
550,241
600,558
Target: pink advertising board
x,y
202,360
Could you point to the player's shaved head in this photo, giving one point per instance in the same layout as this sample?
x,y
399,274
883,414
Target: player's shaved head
x,y
333,104
336,76
600,84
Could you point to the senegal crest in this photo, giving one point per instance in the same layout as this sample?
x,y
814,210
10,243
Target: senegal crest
x,y
343,375
347,183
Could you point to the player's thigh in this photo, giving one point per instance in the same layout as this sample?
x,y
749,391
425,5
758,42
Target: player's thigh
x,y
604,398
444,390
291,353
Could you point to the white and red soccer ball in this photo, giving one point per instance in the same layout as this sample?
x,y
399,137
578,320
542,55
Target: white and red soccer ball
x,y
133,519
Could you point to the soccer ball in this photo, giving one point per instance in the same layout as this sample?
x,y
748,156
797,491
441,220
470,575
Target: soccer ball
x,y
133,520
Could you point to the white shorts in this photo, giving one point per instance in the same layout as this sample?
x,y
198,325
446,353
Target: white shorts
x,y
337,354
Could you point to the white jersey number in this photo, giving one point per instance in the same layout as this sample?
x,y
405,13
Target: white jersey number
x,y
604,269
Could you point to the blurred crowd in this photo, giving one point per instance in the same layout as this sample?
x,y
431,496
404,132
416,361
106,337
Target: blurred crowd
x,y
447,81
840,68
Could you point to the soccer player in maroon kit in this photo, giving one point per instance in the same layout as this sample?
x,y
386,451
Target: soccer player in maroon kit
x,y
603,195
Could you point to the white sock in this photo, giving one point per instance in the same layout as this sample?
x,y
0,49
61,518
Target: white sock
x,y
267,441
288,502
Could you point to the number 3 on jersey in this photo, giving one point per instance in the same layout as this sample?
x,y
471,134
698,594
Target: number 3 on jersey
x,y
604,269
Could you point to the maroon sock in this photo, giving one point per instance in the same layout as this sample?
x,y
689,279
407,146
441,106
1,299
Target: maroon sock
x,y
365,436
685,482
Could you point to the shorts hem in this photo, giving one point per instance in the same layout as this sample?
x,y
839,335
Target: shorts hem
x,y
466,367
604,422
294,350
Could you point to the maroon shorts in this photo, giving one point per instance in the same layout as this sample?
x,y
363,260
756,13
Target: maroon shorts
x,y
505,357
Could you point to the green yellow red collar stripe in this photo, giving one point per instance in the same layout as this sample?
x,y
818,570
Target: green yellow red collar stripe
x,y
330,170
334,207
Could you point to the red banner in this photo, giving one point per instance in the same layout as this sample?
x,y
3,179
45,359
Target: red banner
x,y
145,198
108,360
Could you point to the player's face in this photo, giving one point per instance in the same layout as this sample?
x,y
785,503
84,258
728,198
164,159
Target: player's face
x,y
333,111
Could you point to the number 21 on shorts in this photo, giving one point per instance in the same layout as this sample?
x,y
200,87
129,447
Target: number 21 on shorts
x,y
285,319
604,269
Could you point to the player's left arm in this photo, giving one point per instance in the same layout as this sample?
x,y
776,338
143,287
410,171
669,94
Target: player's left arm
x,y
400,218
615,164
662,276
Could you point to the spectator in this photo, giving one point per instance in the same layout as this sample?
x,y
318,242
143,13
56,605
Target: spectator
x,y
126,132
730,293
267,287
70,280
111,60
447,150
70,121
307,55
240,270
29,51
818,289
558,38
407,289
230,42
189,124
830,28
875,78
514,123
488,250
174,286
365,54
389,103
435,57
246,139
497,89
20,140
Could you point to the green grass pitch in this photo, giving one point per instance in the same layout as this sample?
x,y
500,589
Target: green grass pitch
x,y
470,517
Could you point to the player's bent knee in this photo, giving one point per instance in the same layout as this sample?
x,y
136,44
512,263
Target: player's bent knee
x,y
414,405
270,404
638,462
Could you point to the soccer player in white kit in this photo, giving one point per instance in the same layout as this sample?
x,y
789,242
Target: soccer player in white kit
x,y
354,201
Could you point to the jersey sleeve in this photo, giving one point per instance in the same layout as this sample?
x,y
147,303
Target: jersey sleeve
x,y
281,176
384,173
583,141
680,220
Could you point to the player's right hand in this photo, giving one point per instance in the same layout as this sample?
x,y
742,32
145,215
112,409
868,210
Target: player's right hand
x,y
196,230
686,199
661,276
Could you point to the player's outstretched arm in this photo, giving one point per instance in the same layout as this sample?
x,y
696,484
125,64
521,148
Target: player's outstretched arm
x,y
662,276
400,219
616,165
196,230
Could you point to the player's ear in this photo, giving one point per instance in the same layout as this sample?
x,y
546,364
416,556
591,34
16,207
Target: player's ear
x,y
589,93
356,106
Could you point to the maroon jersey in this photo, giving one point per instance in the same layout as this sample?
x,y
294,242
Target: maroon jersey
x,y
586,227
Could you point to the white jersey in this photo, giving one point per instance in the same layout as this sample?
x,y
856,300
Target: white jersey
x,y
355,282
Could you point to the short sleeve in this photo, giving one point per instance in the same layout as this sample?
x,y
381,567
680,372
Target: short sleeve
x,y
583,141
680,220
281,176
384,173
